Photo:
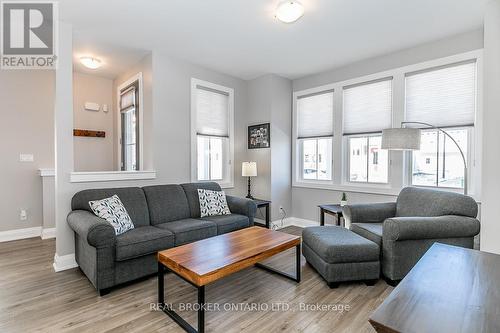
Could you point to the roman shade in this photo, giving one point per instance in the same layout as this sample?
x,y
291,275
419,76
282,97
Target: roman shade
x,y
212,112
127,99
443,96
315,115
368,107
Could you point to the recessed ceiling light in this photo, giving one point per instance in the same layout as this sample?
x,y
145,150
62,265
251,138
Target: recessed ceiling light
x,y
91,62
289,11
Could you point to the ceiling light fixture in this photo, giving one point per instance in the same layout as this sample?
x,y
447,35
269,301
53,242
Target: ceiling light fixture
x,y
289,11
91,62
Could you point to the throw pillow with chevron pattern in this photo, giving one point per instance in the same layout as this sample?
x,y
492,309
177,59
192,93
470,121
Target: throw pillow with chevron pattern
x,y
112,210
213,203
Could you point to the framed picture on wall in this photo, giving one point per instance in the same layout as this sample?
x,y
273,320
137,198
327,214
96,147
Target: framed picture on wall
x,y
259,136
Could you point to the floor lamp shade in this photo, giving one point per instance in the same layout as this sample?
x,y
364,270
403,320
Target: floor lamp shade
x,y
249,169
401,139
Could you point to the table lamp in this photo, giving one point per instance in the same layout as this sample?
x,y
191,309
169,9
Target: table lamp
x,y
249,169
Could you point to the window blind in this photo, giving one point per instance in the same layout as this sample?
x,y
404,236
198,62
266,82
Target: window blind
x,y
442,97
127,99
368,107
315,115
212,112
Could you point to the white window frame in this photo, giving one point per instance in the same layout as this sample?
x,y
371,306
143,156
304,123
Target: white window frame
x,y
128,82
228,169
400,167
470,153
297,165
347,157
301,161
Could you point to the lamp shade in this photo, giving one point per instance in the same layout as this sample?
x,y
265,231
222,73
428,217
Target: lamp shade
x,y
249,169
401,139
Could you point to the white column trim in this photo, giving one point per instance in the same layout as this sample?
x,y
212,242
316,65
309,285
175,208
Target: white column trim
x,y
62,263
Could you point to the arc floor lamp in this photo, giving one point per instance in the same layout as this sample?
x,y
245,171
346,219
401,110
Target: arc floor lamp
x,y
407,138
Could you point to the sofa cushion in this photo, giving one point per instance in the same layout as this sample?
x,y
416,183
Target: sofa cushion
x,y
335,244
191,190
166,203
371,231
228,223
189,230
413,201
142,241
133,200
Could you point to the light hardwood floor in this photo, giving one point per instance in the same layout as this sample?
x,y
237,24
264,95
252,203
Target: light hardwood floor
x,y
33,298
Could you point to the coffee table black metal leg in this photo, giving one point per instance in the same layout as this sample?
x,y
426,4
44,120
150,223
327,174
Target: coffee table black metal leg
x,y
268,218
295,278
297,262
171,313
201,309
161,288
321,216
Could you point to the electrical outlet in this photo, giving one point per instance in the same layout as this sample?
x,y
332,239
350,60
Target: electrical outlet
x,y
23,215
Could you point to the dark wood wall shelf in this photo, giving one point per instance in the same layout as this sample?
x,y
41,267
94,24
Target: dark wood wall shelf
x,y
89,133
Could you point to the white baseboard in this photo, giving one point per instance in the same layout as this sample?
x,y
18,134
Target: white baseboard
x,y
48,233
62,263
296,222
11,235
17,234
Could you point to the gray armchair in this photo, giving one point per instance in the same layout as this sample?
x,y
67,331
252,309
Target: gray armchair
x,y
406,229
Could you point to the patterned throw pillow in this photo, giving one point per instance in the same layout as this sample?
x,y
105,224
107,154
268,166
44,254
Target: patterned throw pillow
x,y
113,211
213,203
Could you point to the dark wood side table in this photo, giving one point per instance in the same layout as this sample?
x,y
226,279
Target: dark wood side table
x,y
264,203
334,210
450,289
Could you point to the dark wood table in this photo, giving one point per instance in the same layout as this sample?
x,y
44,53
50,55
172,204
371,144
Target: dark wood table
x,y
211,259
451,289
334,210
264,203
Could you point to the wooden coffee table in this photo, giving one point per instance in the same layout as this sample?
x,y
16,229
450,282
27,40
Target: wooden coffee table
x,y
211,259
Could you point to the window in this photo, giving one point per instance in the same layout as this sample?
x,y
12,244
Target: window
x,y
129,126
439,162
443,92
443,97
212,111
314,135
367,111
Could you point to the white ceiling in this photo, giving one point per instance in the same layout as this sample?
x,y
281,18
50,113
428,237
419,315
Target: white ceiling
x,y
242,38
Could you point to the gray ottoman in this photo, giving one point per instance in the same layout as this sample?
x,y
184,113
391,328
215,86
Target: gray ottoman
x,y
340,255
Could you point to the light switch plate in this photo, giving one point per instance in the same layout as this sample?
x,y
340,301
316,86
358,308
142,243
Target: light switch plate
x,y
89,106
26,158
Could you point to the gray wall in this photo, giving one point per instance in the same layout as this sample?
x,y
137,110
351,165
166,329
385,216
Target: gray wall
x,y
93,154
171,105
305,201
281,146
269,100
490,225
259,112
27,126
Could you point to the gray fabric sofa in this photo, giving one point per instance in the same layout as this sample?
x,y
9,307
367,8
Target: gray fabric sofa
x,y
406,229
164,216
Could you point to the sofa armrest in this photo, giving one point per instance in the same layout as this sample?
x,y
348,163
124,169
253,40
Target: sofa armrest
x,y
241,206
414,228
96,231
368,213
